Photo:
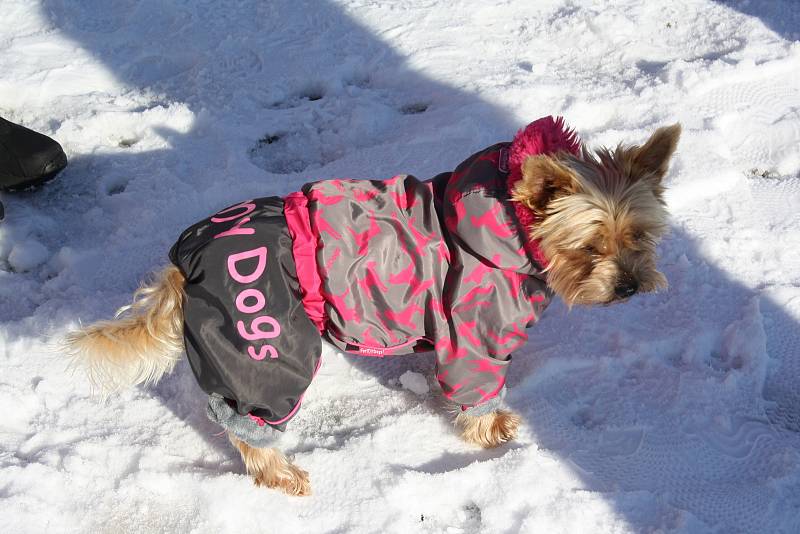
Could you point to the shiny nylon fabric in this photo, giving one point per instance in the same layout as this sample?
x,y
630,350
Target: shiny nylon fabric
x,y
408,265
246,333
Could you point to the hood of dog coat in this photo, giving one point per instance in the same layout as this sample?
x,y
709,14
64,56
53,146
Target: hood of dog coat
x,y
478,209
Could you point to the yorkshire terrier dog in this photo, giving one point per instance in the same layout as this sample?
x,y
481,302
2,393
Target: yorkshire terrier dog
x,y
459,265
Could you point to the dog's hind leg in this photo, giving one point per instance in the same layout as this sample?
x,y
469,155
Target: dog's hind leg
x,y
269,467
488,430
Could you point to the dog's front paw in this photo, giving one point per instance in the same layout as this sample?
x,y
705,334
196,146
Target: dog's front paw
x,y
489,430
270,468
288,478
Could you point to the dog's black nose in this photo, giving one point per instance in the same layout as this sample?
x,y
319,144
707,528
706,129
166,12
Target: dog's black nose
x,y
625,288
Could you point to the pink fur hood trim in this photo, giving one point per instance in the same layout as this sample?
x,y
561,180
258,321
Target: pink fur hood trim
x,y
547,135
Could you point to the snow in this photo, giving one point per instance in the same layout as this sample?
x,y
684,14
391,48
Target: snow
x,y
27,255
675,412
415,382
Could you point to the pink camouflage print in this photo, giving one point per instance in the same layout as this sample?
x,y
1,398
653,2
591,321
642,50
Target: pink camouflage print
x,y
402,265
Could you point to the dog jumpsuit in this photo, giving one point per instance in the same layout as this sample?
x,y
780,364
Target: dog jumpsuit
x,y
377,268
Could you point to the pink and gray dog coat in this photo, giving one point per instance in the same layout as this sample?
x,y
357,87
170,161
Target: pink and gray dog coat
x,y
377,268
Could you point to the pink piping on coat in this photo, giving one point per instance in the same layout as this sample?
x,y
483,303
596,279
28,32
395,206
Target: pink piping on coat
x,y
547,136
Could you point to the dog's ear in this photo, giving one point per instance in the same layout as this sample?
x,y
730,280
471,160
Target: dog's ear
x,y
652,158
544,178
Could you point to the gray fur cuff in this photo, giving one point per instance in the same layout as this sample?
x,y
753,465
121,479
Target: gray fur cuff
x,y
495,403
240,426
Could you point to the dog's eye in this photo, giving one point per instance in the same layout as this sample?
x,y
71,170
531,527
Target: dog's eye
x,y
590,249
639,235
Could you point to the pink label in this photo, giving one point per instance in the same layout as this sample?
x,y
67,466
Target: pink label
x,y
233,259
243,307
249,300
237,229
247,207
257,333
262,352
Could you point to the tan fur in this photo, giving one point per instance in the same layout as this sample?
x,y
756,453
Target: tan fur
x,y
600,217
651,160
142,344
270,468
547,177
489,430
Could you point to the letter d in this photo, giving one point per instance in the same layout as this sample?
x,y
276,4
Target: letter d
x,y
260,253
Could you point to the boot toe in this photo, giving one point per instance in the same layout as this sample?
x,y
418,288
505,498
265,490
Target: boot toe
x,y
27,158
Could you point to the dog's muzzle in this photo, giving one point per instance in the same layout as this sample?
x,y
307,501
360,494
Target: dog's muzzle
x,y
626,287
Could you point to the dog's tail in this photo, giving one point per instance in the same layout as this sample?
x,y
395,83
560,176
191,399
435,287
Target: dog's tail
x,y
141,344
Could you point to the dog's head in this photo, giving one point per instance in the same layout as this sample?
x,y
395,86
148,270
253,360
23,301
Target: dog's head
x,y
600,216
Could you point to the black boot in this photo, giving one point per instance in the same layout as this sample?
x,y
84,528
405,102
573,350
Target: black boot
x,y
27,158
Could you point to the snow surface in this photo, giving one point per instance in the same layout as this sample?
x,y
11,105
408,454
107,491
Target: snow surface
x,y
415,382
676,412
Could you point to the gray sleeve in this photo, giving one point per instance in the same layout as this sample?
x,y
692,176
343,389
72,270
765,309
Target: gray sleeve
x,y
495,403
241,426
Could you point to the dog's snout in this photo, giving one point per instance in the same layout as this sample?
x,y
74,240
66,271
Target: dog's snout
x,y
626,287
